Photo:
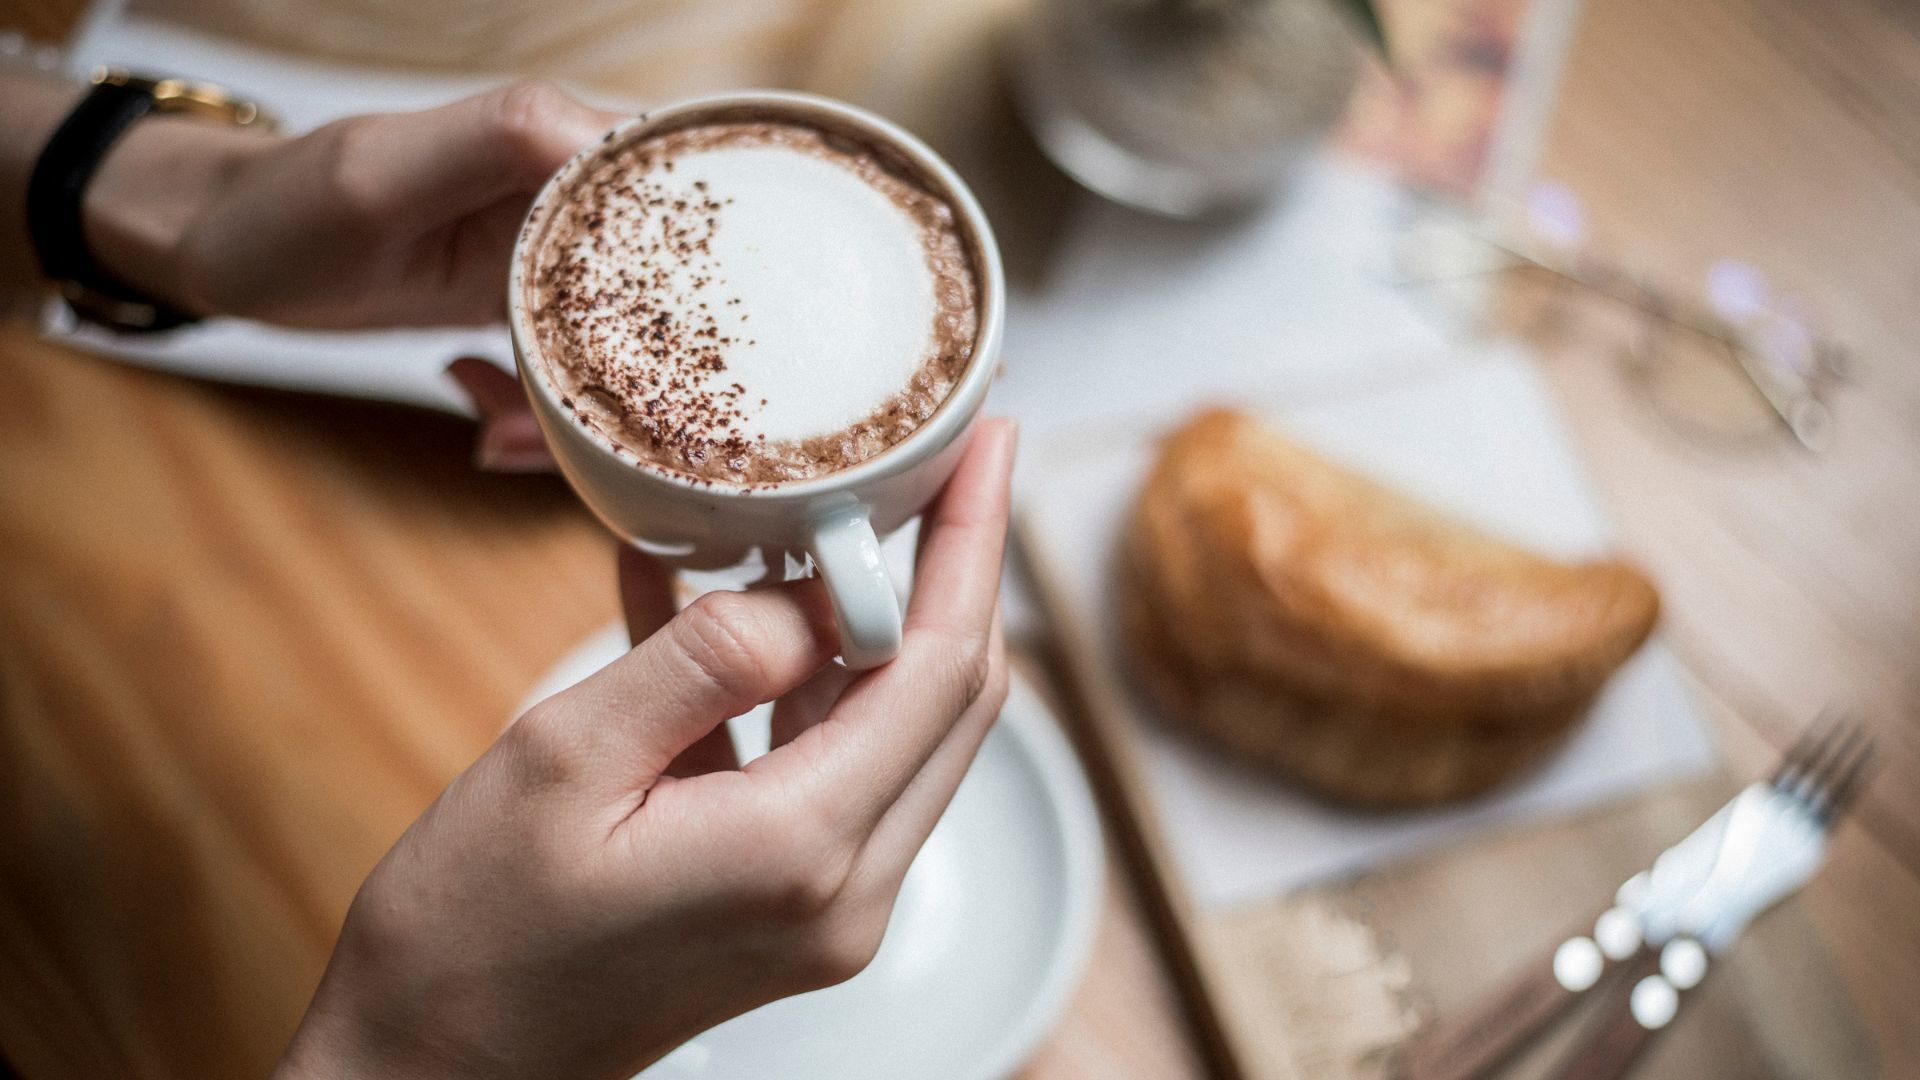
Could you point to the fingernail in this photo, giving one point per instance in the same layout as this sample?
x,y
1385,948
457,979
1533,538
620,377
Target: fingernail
x,y
487,457
514,445
589,126
1009,439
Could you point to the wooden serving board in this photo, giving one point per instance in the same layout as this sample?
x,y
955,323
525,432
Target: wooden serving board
x,y
1330,980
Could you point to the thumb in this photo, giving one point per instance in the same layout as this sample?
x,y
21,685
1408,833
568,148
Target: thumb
x,y
726,653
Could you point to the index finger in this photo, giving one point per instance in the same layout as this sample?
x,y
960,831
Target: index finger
x,y
510,438
887,725
956,578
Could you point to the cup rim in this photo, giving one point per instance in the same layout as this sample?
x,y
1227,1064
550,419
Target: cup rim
x,y
924,441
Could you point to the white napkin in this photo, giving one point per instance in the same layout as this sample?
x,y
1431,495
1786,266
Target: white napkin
x,y
1479,437
1136,312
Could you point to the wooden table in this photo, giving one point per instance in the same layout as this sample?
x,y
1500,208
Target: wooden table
x,y
1786,135
245,637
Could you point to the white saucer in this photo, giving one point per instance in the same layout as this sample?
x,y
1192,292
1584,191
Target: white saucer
x,y
987,940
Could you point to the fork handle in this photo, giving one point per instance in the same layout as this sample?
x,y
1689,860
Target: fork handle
x,y
1497,1026
1608,1049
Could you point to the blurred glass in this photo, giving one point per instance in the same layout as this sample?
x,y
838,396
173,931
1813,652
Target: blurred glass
x,y
1184,107
1741,361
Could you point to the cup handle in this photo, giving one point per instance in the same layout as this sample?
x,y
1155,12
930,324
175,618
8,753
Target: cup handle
x,y
847,553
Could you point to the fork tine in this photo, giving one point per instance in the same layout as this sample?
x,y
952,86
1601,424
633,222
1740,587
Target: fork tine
x,y
1791,762
1826,766
1850,780
1794,756
1804,760
1817,789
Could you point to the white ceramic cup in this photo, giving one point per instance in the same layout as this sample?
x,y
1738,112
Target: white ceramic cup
x,y
835,520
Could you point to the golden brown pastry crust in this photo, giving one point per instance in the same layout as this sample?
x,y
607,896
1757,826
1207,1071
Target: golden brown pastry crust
x,y
1307,618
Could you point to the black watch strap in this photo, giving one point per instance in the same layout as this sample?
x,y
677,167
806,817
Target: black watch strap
x,y
55,194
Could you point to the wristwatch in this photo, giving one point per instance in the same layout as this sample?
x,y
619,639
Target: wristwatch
x,y
57,189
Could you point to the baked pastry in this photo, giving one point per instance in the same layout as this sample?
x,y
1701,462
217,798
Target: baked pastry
x,y
1307,618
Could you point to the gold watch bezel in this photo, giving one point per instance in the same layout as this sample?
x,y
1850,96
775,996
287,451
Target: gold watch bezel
x,y
186,97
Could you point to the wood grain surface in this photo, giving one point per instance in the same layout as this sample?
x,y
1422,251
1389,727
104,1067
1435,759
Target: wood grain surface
x,y
245,637
1785,135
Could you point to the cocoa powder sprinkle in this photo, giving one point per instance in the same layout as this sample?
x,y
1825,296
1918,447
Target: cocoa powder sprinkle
x,y
643,355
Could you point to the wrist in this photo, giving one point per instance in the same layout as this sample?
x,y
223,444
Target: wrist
x,y
160,178
329,1046
355,1028
31,106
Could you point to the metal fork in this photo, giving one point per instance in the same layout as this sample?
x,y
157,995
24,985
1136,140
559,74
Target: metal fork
x,y
1826,769
1766,852
1654,941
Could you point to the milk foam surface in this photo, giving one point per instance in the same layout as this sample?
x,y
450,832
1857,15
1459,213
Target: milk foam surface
x,y
753,302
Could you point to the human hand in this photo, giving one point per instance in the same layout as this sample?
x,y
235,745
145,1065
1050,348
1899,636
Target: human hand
x,y
400,219
576,904
510,439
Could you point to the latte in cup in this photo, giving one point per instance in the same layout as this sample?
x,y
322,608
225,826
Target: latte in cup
x,y
751,300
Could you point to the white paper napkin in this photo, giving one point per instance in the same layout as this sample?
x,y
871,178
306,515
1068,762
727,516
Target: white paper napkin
x,y
1478,436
